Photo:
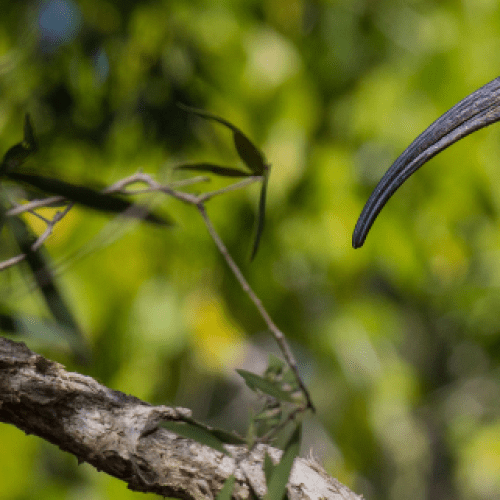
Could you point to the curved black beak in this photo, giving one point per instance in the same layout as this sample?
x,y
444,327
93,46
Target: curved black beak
x,y
477,110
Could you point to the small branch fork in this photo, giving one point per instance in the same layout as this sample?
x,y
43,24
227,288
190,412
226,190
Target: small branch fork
x,y
196,200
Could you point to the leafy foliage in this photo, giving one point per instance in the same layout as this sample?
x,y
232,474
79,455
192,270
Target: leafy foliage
x,y
251,156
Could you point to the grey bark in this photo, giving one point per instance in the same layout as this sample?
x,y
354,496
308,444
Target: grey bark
x,y
119,435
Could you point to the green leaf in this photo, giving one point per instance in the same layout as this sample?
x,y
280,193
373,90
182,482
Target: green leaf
x,y
251,433
89,197
226,437
14,157
38,262
227,490
275,364
272,416
254,382
250,155
214,169
17,154
276,487
195,432
268,468
260,217
247,151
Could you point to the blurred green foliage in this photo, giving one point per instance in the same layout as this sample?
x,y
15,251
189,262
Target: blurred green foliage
x,y
399,341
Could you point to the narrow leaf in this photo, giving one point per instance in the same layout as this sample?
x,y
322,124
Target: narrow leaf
x,y
14,157
276,488
17,154
214,169
227,490
254,382
89,197
261,215
226,437
195,432
268,468
247,151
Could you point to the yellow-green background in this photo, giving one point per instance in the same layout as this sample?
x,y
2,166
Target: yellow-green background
x,y
399,341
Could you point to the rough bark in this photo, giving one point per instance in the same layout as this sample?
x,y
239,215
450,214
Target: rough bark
x,y
119,435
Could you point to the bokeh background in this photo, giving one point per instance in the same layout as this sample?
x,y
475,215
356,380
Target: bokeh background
x,y
399,341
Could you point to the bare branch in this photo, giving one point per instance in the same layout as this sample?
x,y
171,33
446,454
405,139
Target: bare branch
x,y
277,333
120,435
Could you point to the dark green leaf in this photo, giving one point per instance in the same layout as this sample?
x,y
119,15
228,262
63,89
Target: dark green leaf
x,y
14,157
214,169
38,263
276,487
251,156
17,154
247,151
195,432
260,217
226,492
89,197
254,382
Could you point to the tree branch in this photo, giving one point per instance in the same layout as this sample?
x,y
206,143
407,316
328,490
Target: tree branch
x,y
119,435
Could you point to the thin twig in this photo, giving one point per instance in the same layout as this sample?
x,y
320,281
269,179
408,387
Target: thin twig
x,y
237,185
277,333
41,239
32,205
191,199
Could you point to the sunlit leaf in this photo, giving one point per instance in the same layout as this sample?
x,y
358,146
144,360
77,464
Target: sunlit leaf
x,y
214,169
226,492
276,487
255,382
89,197
195,432
247,151
261,215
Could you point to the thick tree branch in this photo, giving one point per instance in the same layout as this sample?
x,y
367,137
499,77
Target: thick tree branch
x,y
119,435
